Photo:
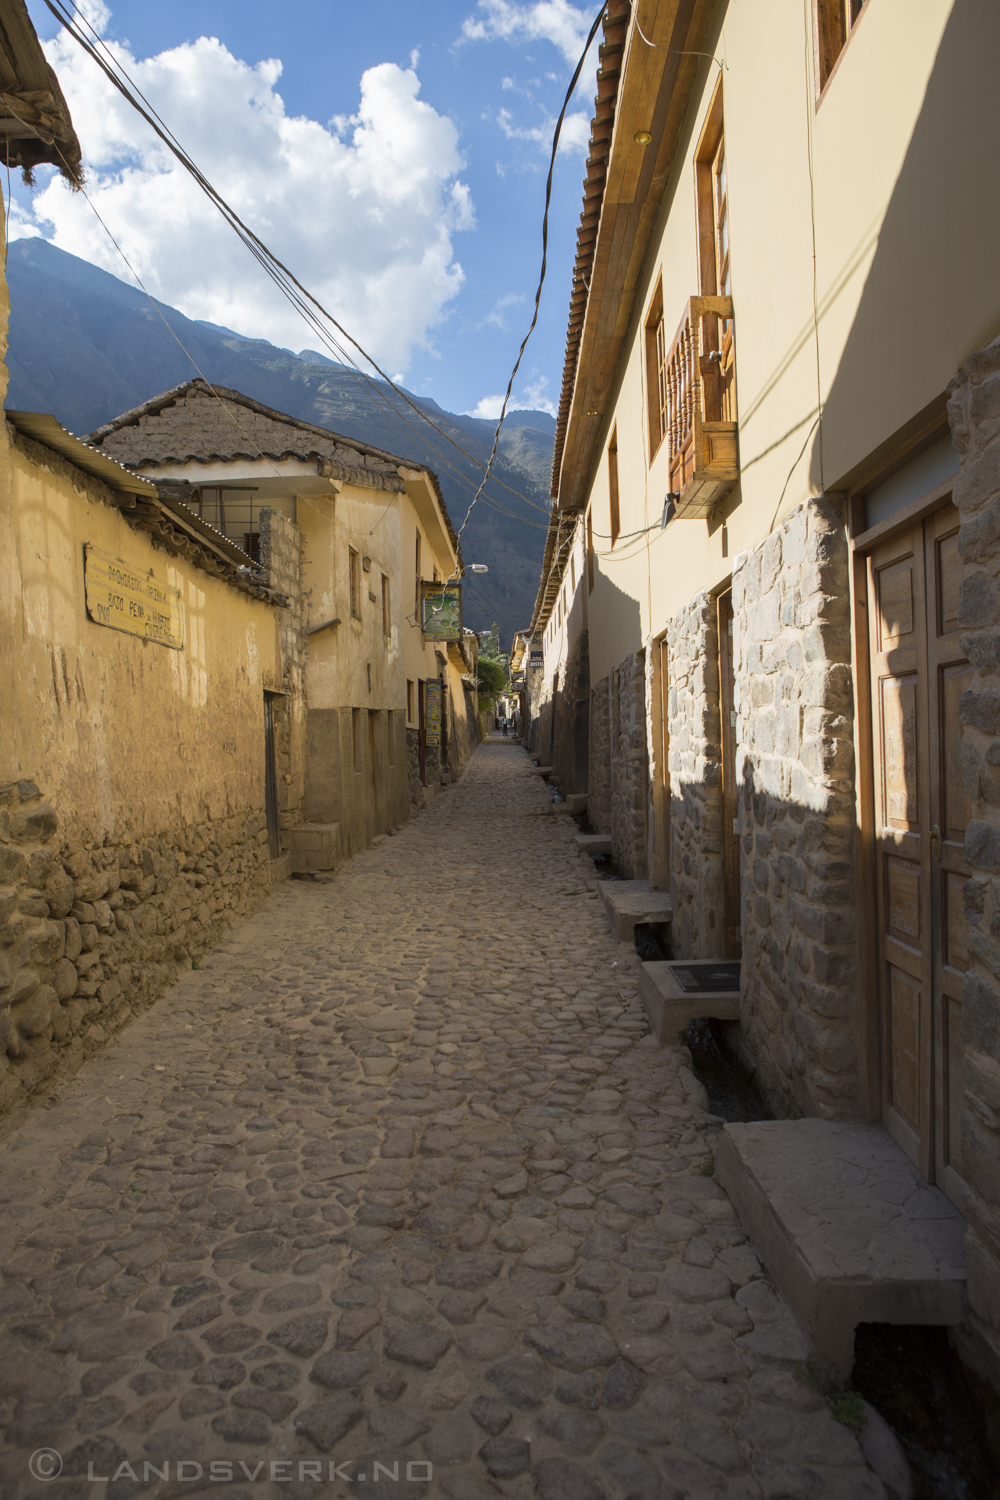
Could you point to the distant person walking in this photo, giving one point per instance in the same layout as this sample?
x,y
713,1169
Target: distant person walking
x,y
504,723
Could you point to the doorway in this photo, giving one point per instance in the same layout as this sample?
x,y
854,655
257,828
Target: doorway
x,y
918,674
270,779
732,938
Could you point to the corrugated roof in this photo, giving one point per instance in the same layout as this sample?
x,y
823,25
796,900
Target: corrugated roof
x,y
45,428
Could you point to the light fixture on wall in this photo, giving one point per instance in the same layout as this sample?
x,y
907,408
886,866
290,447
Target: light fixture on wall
x,y
669,508
642,137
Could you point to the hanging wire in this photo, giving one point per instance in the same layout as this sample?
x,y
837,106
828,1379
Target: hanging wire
x,y
545,247
298,295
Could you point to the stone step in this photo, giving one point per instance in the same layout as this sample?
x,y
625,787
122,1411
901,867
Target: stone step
x,y
543,771
675,992
593,843
314,846
848,1229
630,901
572,805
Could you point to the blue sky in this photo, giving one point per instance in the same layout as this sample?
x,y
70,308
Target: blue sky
x,y
394,156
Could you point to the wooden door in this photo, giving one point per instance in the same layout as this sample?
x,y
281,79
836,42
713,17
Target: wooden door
x,y
422,723
730,795
918,673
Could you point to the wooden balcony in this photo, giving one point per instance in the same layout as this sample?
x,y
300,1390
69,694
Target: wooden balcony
x,y
698,401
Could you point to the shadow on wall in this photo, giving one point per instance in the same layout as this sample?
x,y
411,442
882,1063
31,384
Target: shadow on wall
x,y
917,292
799,1003
617,617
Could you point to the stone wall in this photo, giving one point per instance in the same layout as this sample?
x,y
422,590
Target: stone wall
x,y
599,773
629,789
696,882
571,712
94,931
413,782
795,765
974,411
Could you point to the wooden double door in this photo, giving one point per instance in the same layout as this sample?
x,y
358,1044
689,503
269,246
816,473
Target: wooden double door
x,y
918,675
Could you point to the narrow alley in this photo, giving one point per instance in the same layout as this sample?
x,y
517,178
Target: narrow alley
x,y
398,1188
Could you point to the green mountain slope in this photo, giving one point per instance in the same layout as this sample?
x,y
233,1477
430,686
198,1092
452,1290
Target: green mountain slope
x,y
86,347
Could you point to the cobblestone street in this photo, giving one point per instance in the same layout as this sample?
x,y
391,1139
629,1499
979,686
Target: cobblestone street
x,y
399,1178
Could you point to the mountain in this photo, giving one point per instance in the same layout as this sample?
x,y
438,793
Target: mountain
x,y
86,347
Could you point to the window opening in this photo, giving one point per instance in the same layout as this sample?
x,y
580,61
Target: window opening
x,y
835,21
353,561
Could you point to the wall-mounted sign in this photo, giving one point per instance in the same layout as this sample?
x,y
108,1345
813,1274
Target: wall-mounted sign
x,y
125,598
441,611
432,711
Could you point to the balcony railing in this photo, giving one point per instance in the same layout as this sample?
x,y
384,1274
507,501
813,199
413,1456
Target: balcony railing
x,y
700,391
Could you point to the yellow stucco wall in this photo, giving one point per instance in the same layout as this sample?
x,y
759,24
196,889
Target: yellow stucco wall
x,y
126,737
906,279
339,658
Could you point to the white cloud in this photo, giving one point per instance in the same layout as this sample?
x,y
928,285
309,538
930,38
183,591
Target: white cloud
x,y
532,398
495,317
363,210
535,397
489,408
547,20
573,137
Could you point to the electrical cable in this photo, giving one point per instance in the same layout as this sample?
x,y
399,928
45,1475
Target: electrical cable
x,y
545,249
679,51
286,282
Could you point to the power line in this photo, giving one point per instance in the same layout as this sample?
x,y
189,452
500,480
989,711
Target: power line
x,y
286,282
545,251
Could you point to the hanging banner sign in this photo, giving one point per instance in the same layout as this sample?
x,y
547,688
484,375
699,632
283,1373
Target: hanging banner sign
x,y
432,711
125,598
441,611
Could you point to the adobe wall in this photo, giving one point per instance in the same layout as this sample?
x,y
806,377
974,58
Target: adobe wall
x,y
974,412
132,808
795,767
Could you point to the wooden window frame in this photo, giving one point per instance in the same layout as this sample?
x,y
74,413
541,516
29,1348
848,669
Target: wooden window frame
x,y
717,333
834,25
354,578
409,701
656,357
711,137
614,497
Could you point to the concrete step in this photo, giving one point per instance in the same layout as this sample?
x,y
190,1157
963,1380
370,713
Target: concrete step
x,y
677,991
630,901
314,846
572,805
848,1229
593,843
